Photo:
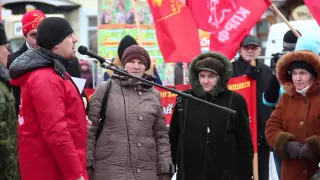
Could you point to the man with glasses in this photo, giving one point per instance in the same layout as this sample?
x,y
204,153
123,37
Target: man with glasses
x,y
247,64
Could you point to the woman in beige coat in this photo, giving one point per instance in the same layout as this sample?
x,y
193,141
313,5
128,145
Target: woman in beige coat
x,y
133,144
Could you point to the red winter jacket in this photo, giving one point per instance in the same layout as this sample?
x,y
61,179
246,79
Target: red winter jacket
x,y
52,120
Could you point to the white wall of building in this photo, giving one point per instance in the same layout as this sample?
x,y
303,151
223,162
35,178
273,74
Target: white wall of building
x,y
79,20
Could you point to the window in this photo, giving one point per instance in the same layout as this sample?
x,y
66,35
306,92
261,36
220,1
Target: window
x,y
262,28
92,33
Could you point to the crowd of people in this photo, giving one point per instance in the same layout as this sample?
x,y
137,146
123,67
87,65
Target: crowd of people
x,y
50,130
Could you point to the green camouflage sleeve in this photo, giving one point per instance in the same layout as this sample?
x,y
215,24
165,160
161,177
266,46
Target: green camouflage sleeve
x,y
8,137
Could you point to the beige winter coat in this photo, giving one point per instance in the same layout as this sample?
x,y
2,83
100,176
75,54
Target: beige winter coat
x,y
150,153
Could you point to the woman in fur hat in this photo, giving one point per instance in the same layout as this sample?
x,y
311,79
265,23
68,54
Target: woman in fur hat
x,y
206,142
293,129
134,143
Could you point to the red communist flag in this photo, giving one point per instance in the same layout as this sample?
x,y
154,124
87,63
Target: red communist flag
x,y
229,21
176,30
314,7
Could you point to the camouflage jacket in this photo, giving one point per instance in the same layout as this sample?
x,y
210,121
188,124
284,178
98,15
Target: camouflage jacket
x,y
8,130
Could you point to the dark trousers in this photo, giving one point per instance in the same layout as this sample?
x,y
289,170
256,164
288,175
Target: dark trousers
x,y
263,161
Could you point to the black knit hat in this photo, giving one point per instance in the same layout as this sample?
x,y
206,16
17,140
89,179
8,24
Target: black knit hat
x,y
289,41
125,42
210,64
52,31
3,36
303,65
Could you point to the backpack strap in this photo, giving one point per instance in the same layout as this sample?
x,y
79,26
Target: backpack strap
x,y
104,104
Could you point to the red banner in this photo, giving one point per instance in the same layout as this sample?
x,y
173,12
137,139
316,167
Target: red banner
x,y
314,7
243,85
229,21
176,30
247,88
168,100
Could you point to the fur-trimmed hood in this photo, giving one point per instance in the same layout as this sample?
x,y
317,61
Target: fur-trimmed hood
x,y
282,69
224,76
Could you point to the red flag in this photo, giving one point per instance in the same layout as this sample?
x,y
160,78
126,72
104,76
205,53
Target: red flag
x,y
229,21
176,30
314,7
247,88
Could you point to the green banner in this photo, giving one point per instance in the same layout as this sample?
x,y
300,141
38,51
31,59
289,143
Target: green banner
x,y
109,39
117,19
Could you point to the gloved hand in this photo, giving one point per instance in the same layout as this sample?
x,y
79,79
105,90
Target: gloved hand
x,y
253,72
271,95
90,172
293,149
164,177
306,154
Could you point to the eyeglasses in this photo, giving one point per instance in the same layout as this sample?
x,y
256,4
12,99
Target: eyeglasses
x,y
253,48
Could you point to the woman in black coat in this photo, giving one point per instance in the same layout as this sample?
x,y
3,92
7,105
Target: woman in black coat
x,y
208,143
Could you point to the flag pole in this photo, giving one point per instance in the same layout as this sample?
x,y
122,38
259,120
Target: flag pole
x,y
276,10
255,167
137,18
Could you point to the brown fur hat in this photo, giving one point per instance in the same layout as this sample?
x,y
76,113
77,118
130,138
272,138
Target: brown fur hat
x,y
285,63
210,64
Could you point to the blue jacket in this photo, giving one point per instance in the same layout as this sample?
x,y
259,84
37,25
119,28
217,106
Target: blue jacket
x,y
281,91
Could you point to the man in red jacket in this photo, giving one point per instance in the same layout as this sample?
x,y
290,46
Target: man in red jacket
x,y
52,119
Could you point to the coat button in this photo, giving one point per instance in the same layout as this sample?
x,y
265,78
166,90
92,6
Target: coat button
x,y
301,123
140,118
140,93
140,101
138,170
139,144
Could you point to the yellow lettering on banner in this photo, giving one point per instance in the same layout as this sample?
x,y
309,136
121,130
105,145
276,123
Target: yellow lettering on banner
x,y
157,2
167,94
175,6
239,86
172,94
242,85
164,94
248,84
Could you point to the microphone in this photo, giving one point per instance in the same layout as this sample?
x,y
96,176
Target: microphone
x,y
85,51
